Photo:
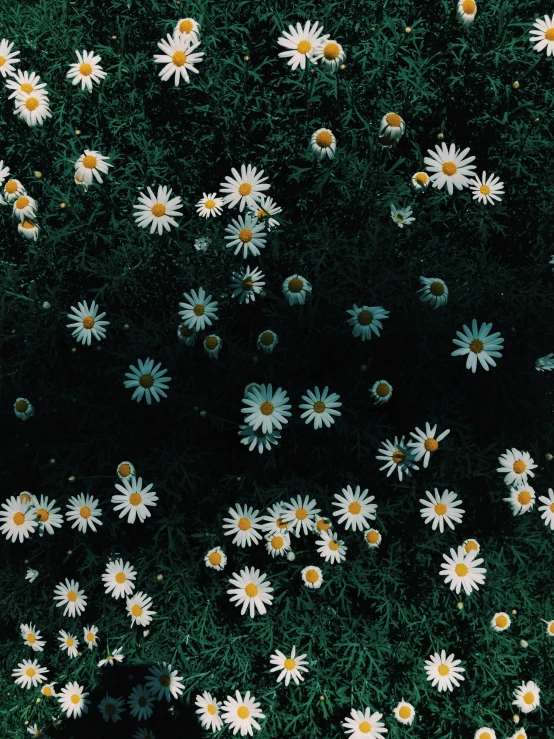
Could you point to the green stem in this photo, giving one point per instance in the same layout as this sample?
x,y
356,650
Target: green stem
x,y
17,295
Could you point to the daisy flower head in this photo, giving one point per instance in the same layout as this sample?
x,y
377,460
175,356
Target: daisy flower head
x,y
397,456
517,466
244,188
478,344
440,508
32,638
449,167
18,518
139,608
444,671
69,595
90,636
420,181
542,35
252,591
372,538
364,725
165,682
267,341
321,407
301,43
186,335
125,470
28,229
487,190
241,714
23,409
216,559
381,392
296,289
549,627
24,207
247,284
244,523
470,545
48,516
141,702
87,323
188,27
29,673
119,579
86,70
48,690
312,577
545,363
434,291
199,311
289,667
33,108
274,521
466,11
402,217
527,696
426,442
277,543
212,345
330,54
115,656
392,128
366,320
246,233
521,498
208,711
7,58
179,56
88,166
331,548
156,210
500,621
13,189
323,143
84,512
485,733
31,575
265,210
300,515
68,643
548,508
36,732
133,501
404,712
73,700
258,439
111,708
209,205
148,381
461,570
266,409
354,507
322,524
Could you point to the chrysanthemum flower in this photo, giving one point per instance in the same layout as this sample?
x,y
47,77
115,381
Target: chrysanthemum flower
x,y
545,363
500,621
404,712
364,724
133,500
48,690
89,165
69,595
119,578
115,656
13,189
139,609
527,696
199,310
426,442
485,733
444,671
320,407
29,673
186,335
381,392
330,54
354,507
31,575
7,58
549,627
265,210
252,591
216,559
420,181
372,538
487,190
36,732
48,516
87,323
18,519
86,70
246,233
312,577
28,229
23,409
542,35
245,188
244,525
125,470
402,217
187,27
466,11
441,508
157,210
296,289
521,498
434,290
398,456
289,667
517,466
73,700
275,523
331,548
323,143
209,711
212,345
33,108
202,243
449,167
209,205
247,283
471,545
548,508
111,708
165,682
68,643
301,43
90,635
366,320
258,439
267,341
266,409
141,702
300,515
24,83
277,544
478,344
179,56
24,207
148,381
391,129
461,570
32,638
241,714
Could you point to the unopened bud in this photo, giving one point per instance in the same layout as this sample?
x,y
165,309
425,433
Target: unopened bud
x,y
440,136
38,174
515,84
459,605
548,457
523,644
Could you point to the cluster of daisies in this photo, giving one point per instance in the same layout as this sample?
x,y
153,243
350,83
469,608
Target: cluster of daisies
x,y
24,207
517,467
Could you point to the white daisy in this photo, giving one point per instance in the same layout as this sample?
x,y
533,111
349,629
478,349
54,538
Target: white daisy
x,y
274,521
138,607
209,205
28,229
426,443
330,53
549,627
402,217
331,548
354,507
485,733
31,575
265,210
258,439
36,732
69,595
241,714
244,524
199,311
381,392
300,515
404,712
29,673
521,498
7,58
245,188
13,189
165,682
441,508
434,290
527,696
186,335
301,43
188,27
179,57
84,512
372,538
119,578
366,320
267,341
545,363
18,519
478,344
323,143
125,470
392,128
461,570
73,700
48,516
296,289
364,725
89,165
252,591
31,637
321,407
444,671
87,323
312,576
48,690
466,11
517,465
290,667
148,381
500,621
266,409
115,656
247,283
548,508
33,108
68,643
470,545
542,35
397,456
111,708
486,190
158,209
24,208
208,711
133,500
246,233
90,636
141,702
86,70
23,409
212,345
277,543
449,167
216,559
420,181
4,171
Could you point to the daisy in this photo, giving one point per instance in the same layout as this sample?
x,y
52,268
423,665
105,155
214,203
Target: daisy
x,y
84,512
427,443
441,508
115,656
216,559
330,53
486,191
265,210
111,708
471,545
244,524
354,507
391,129
141,702
245,188
35,731
23,409
300,515
444,671
517,465
381,392
321,407
7,58
252,591
157,210
542,32
301,43
89,165
86,70
32,108
420,181
31,575
372,538
31,637
331,548
250,387
404,712
247,234
323,143
403,216
13,189
466,12
133,500
72,699
48,516
500,621
397,456
290,667
545,363
87,323
258,438
68,643
242,714
188,27
4,171
364,725
274,521
48,690
267,341
212,345
277,543
164,682
138,607
24,207
322,524
478,345
209,711
485,733
187,335
69,595
179,57
119,579
547,508
312,577
247,283
549,627
366,320
461,570
18,519
199,311
209,205
28,229
202,243
29,673
434,290
521,498
527,696
90,636
265,409
125,470
296,289
449,167
148,381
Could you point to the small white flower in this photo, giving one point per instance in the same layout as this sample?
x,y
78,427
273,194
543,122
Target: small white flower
x,y
115,656
202,243
402,216
545,363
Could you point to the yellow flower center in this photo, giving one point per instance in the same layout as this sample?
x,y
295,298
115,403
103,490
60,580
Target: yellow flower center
x,y
295,285
461,569
251,590
28,224
354,507
501,621
552,507
11,185
398,457
301,514
90,636
485,735
243,712
431,445
399,218
47,690
476,346
25,498
142,700
43,514
529,698
85,69
549,35
436,288
261,214
319,406
471,545
245,188
186,26
365,318
289,664
109,709
120,577
69,642
75,698
394,120
333,544
71,596
211,342
485,190
244,524
364,727
421,177
88,322
519,466
266,338
89,161
198,310
324,139
443,669
214,558
331,51
211,709
85,512
372,537
124,470
158,210
405,712
277,542
30,672
135,498
304,47
146,381
469,7
22,202
322,525
280,523
449,169
440,509
209,204
2,61
524,497
179,58
165,680
247,283
551,628
312,576
32,103
245,235
186,331
267,408
136,611
21,406
31,638
382,389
